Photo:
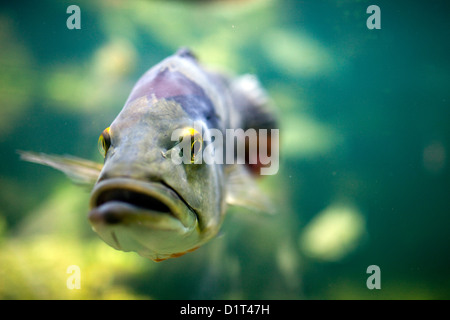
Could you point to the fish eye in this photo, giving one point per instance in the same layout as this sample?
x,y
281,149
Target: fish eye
x,y
196,142
104,142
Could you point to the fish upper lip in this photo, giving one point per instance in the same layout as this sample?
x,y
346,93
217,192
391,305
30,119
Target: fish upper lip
x,y
160,191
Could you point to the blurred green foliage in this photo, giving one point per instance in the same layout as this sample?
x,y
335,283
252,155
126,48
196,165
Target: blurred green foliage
x,y
364,174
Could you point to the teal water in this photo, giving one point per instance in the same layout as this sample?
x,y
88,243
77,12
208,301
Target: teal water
x,y
364,173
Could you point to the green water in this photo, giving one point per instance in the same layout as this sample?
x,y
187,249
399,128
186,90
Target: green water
x,y
365,147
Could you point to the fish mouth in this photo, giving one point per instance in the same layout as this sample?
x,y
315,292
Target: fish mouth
x,y
125,201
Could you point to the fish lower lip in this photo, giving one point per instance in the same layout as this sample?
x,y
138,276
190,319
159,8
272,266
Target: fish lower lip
x,y
119,200
111,212
133,198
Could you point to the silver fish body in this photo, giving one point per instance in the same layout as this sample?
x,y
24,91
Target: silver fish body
x,y
143,201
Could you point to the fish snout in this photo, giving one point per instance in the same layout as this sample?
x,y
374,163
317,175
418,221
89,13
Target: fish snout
x,y
147,217
113,205
122,201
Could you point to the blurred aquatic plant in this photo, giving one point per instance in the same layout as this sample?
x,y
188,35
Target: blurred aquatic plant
x,y
297,54
306,138
36,268
333,233
34,259
217,32
95,85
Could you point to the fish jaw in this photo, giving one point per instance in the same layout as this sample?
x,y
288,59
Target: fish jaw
x,y
149,218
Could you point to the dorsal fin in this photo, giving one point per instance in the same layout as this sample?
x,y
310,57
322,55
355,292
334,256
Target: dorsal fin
x,y
254,103
186,53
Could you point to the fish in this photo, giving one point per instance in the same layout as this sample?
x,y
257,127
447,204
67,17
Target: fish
x,y
141,200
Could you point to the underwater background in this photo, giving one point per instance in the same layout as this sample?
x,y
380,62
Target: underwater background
x,y
365,146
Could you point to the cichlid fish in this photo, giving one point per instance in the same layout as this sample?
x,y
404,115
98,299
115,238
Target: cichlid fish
x,y
143,201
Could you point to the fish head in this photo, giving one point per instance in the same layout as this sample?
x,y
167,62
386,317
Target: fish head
x,y
144,201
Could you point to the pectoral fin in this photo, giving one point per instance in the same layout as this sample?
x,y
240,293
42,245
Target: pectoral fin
x,y
81,171
242,190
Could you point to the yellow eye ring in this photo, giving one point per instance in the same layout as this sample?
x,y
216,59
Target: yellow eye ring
x,y
104,142
196,141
